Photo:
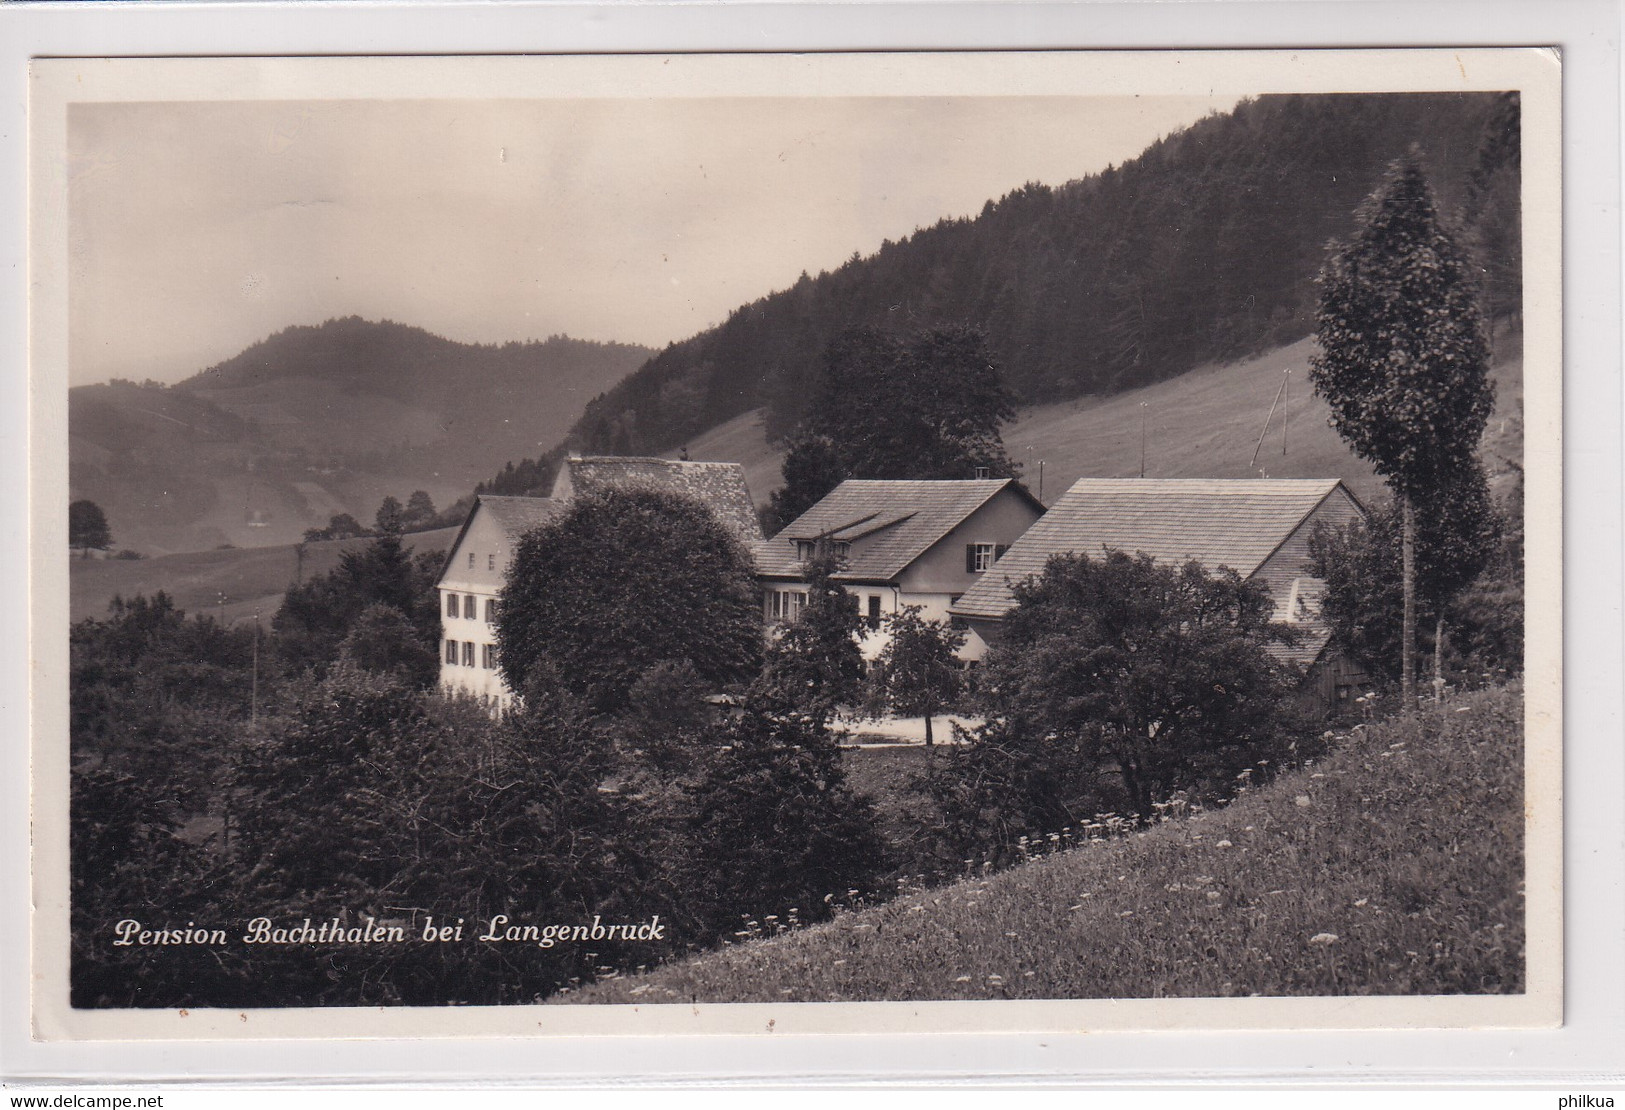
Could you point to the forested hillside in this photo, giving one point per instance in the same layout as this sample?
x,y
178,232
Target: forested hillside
x,y
1203,249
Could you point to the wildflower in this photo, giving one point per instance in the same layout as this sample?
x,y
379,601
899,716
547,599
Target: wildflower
x,y
1224,844
1301,801
1361,901
1323,938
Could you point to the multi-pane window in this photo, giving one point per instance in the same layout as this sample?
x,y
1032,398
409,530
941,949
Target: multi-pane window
x,y
491,561
451,607
470,560
487,661
805,549
874,610
984,556
468,653
471,607
451,651
490,610
784,605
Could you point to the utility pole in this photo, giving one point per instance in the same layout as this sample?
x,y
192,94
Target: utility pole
x,y
1284,385
254,681
1143,411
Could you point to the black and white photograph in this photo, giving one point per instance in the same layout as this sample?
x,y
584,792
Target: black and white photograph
x,y
647,542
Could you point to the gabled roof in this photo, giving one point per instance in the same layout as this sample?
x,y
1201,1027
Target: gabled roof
x,y
514,515
720,486
1235,523
897,520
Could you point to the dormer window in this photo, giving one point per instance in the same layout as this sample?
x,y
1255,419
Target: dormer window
x,y
805,550
843,550
984,472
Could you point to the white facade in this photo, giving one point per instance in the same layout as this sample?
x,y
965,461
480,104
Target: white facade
x,y
476,568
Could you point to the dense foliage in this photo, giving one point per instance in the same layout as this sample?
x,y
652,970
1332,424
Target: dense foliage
x,y
1200,249
1404,364
917,673
316,616
773,827
625,580
1469,581
813,665
1162,673
924,405
87,527
1404,352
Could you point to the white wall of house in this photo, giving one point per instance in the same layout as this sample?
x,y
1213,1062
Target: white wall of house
x,y
475,574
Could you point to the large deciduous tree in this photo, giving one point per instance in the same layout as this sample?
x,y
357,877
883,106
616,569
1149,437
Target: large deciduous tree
x,y
927,404
87,527
1162,671
625,580
1403,359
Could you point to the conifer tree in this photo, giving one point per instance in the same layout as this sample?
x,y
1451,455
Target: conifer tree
x,y
1404,358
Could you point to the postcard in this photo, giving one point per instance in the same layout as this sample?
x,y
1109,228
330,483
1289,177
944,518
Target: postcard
x,y
636,544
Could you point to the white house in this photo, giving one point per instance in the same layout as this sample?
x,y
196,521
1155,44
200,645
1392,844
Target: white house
x,y
476,567
900,543
1257,527
470,583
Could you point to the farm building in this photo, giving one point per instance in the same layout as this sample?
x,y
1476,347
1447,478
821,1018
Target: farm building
x,y
900,543
1259,528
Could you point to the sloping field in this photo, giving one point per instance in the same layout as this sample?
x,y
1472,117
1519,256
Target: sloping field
x,y
1202,424
230,584
1393,866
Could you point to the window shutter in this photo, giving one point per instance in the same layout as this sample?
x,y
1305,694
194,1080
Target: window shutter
x,y
999,550
970,558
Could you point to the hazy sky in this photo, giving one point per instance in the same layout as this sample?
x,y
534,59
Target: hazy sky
x,y
197,228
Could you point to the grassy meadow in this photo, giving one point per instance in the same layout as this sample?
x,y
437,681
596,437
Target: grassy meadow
x,y
1201,424
1392,866
230,584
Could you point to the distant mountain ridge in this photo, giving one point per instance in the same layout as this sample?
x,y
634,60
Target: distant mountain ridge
x,y
322,419
1202,250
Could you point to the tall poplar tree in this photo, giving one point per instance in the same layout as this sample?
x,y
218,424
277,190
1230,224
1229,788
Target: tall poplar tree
x,y
1404,358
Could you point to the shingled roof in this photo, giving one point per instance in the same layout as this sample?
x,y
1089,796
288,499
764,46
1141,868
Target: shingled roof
x,y
900,520
518,515
1235,523
718,485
